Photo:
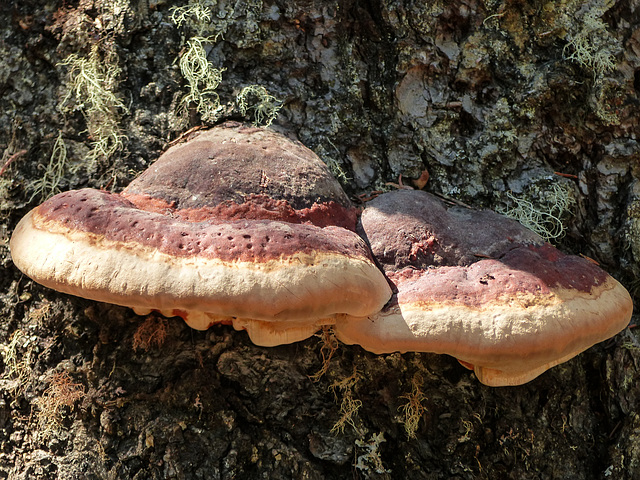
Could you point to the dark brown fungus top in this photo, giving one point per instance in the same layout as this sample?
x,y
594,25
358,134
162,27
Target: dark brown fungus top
x,y
238,225
417,229
113,218
482,288
235,171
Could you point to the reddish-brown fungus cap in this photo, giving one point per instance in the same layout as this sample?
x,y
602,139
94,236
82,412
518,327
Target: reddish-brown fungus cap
x,y
482,288
239,225
100,246
239,172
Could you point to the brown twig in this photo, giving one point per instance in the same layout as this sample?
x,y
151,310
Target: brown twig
x,y
365,197
449,199
566,175
185,134
399,185
595,262
11,159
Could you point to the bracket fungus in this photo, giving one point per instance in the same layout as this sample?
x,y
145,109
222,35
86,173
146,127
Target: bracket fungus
x,y
238,225
245,226
480,287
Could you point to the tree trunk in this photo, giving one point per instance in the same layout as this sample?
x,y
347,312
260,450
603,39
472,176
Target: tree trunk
x,y
502,102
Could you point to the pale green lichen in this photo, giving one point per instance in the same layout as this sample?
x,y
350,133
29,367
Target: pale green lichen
x,y
195,15
256,102
541,210
591,45
607,93
18,356
413,410
210,21
370,461
208,18
93,83
338,171
349,405
336,168
47,184
203,79
202,76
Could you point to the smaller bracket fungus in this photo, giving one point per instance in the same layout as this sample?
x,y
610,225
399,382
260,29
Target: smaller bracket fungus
x,y
165,244
480,287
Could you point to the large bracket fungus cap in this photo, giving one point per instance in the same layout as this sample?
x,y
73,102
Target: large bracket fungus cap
x,y
509,317
238,172
269,266
100,246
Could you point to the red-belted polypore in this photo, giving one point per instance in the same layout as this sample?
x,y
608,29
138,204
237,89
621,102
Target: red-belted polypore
x,y
480,287
238,225
245,226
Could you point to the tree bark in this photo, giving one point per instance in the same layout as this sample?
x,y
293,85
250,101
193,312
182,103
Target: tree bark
x,y
500,101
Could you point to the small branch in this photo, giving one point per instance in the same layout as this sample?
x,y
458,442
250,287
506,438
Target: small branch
x,y
11,159
566,175
185,134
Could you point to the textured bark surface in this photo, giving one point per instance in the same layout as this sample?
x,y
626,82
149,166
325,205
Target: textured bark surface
x,y
501,101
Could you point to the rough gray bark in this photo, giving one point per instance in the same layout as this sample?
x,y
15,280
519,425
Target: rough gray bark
x,y
490,97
